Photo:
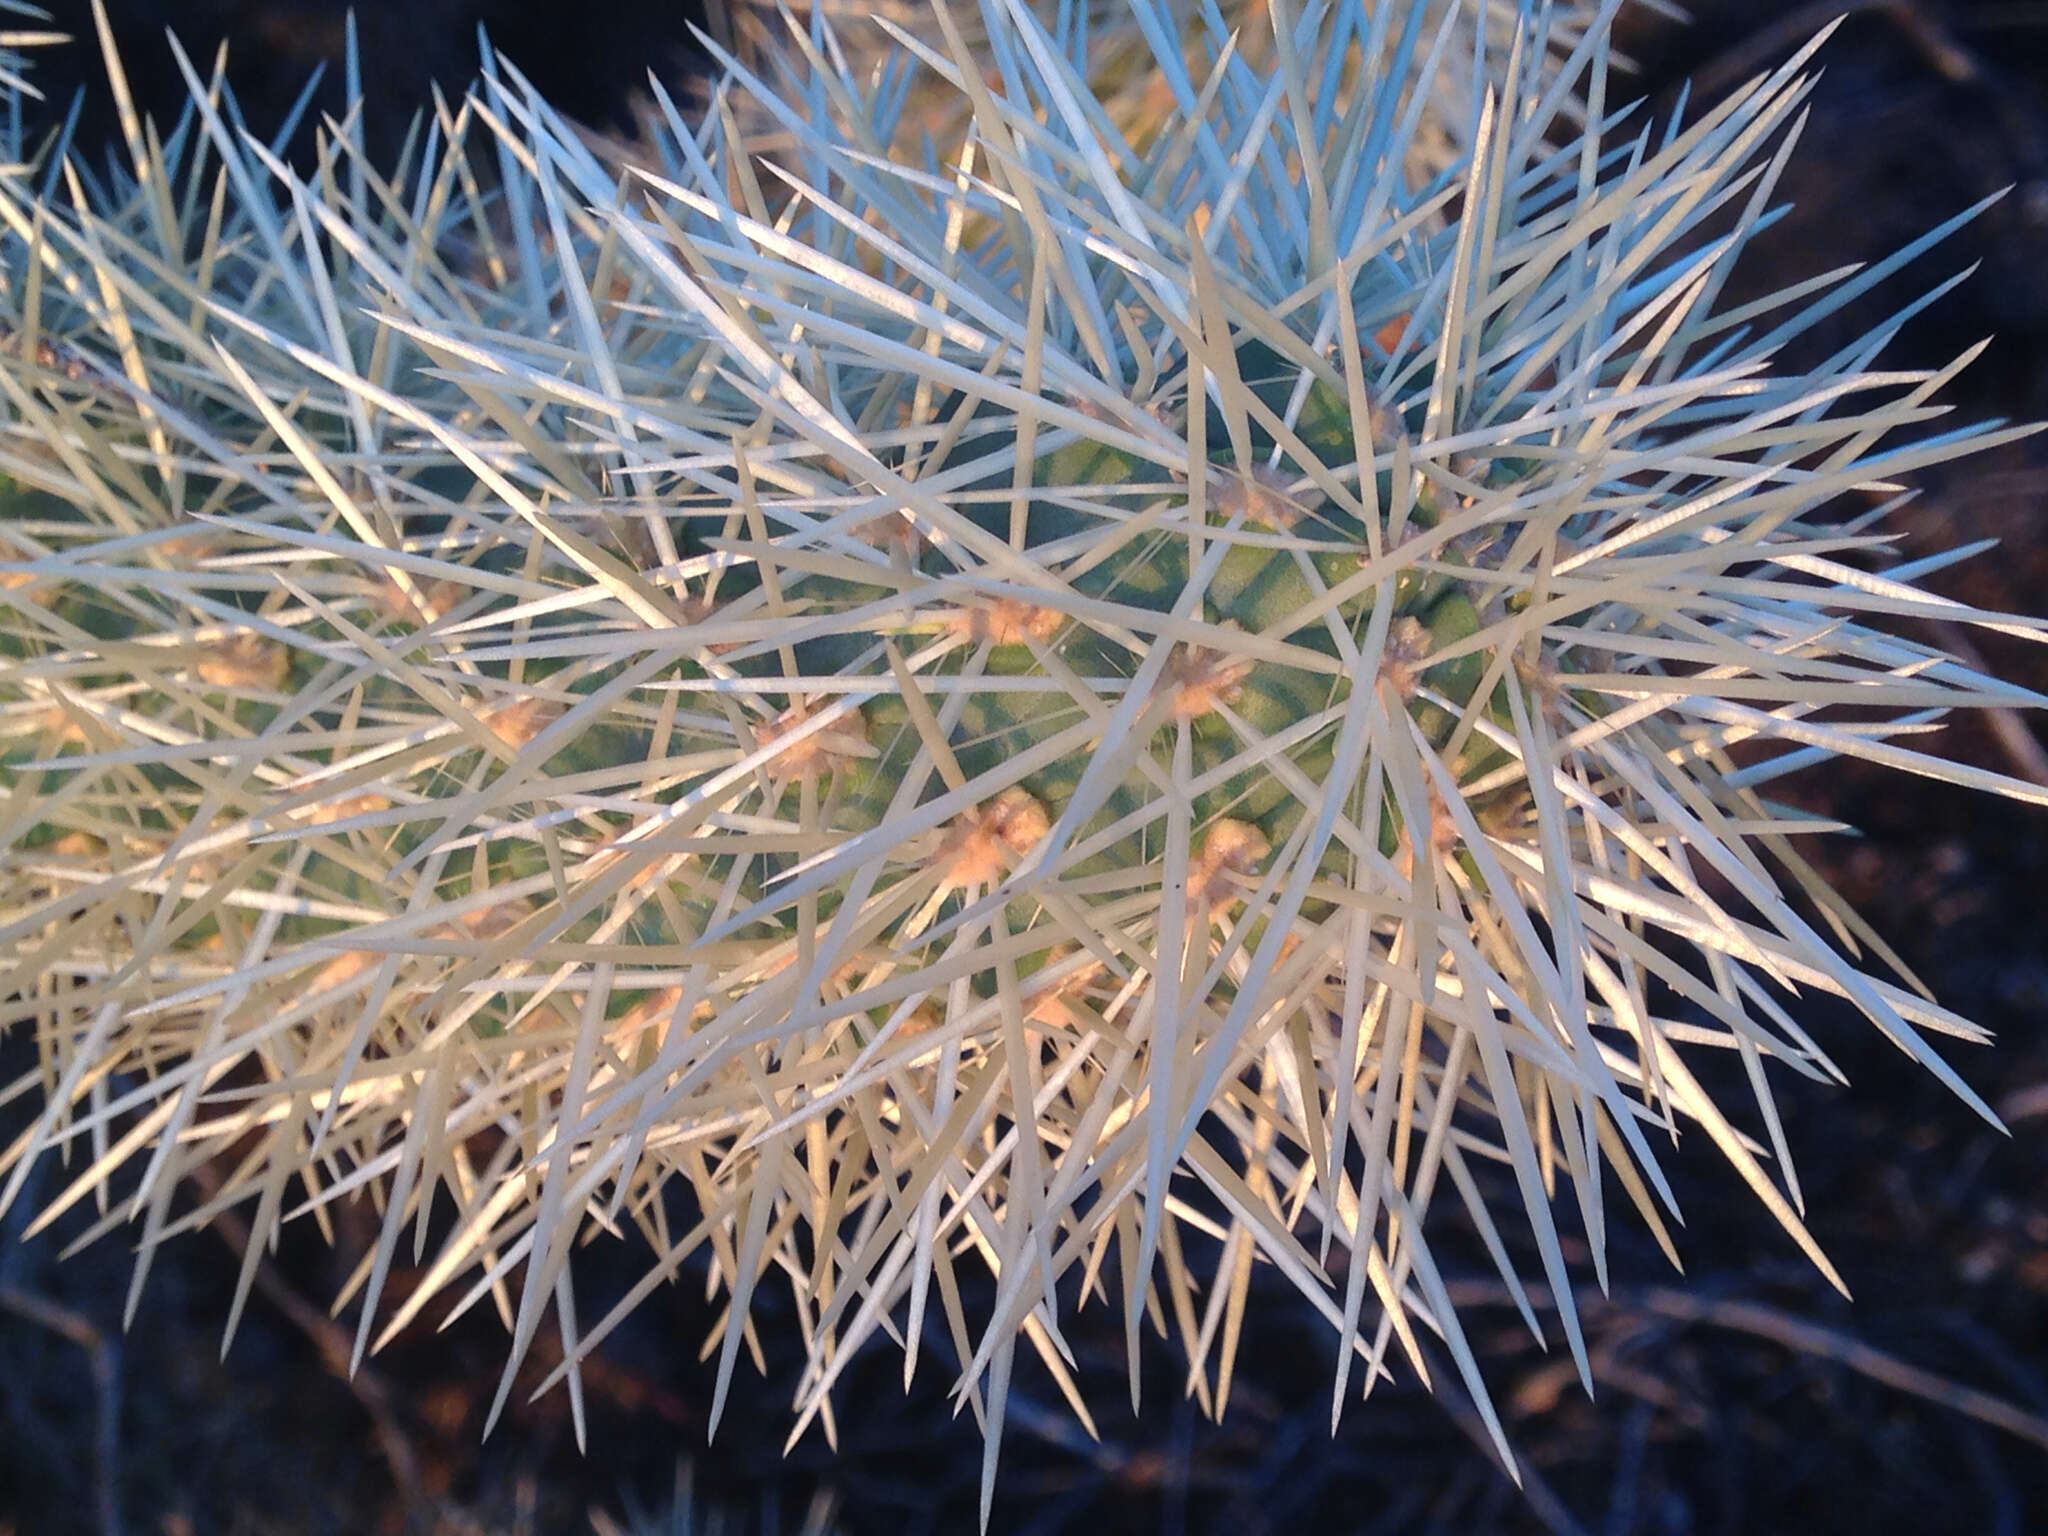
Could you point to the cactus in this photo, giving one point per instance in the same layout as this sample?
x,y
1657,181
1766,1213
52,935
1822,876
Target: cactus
x,y
1103,708
1117,46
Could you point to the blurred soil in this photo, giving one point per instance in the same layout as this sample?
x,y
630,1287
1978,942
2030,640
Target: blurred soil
x,y
1744,1398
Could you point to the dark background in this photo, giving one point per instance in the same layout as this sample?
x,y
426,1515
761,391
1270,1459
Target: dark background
x,y
586,58
1744,1398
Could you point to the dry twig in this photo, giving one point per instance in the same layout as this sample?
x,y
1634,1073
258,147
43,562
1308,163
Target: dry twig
x,y
103,1359
1761,1321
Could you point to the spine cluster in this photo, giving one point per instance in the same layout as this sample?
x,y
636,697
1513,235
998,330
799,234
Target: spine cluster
x,y
1095,706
